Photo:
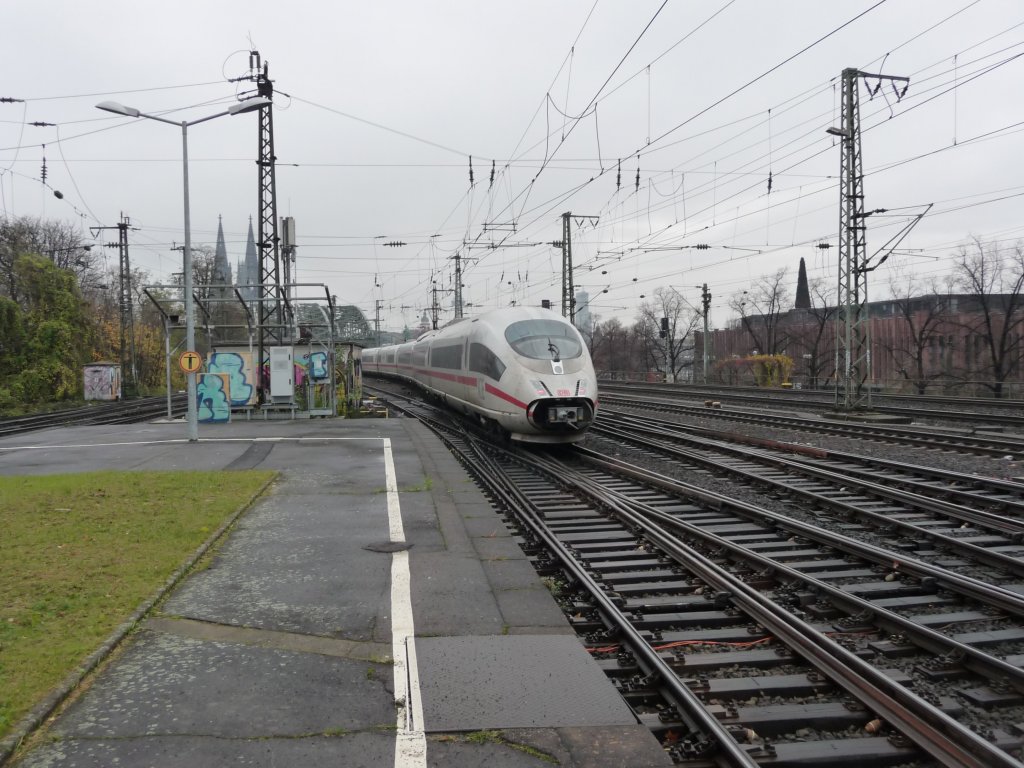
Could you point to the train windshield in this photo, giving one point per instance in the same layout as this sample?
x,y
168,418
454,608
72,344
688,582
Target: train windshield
x,y
544,339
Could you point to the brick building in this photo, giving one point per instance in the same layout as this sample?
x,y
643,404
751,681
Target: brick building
x,y
935,343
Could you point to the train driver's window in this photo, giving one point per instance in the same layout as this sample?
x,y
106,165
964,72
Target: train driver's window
x,y
544,339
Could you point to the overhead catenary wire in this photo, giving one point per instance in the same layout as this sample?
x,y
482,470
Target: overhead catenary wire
x,y
790,193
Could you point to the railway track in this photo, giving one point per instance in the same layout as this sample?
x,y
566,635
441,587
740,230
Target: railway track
x,y
974,410
972,491
741,638
972,441
122,412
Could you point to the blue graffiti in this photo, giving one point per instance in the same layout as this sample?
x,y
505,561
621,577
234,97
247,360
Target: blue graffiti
x,y
311,364
212,400
318,366
233,365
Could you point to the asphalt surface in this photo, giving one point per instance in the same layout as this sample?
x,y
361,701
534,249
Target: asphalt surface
x,y
282,651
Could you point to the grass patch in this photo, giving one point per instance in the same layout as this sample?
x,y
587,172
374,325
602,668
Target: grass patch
x,y
426,485
79,553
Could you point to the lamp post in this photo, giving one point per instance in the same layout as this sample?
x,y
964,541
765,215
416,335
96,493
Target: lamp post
x,y
190,327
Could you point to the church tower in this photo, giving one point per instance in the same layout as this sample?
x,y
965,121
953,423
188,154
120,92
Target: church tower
x,y
803,293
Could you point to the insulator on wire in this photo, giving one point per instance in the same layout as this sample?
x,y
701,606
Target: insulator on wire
x,y
492,175
470,170
638,178
43,172
618,177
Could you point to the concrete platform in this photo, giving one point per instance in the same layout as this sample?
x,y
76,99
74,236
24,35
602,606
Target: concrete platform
x,y
370,610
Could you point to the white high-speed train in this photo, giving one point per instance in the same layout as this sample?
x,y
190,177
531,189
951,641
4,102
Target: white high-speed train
x,y
522,371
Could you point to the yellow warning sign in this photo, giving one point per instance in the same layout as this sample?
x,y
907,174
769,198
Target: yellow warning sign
x,y
190,361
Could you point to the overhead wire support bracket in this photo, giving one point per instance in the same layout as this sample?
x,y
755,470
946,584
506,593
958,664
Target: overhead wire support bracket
x,y
500,226
894,241
496,246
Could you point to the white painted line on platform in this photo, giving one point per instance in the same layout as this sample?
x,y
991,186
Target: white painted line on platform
x,y
411,744
185,441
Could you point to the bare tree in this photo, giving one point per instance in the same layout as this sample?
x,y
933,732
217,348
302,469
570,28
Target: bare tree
x,y
58,241
995,278
589,328
673,352
924,311
613,348
760,308
811,330
203,270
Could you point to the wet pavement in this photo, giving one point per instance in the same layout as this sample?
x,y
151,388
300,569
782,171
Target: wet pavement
x,y
370,609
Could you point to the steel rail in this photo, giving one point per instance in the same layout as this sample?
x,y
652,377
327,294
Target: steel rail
x,y
802,398
1009,486
931,727
933,731
988,557
989,445
124,412
1007,600
933,641
701,721
910,498
493,478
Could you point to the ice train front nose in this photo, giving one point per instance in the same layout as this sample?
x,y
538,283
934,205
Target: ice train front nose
x,y
561,414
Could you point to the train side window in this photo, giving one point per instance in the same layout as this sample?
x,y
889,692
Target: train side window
x,y
482,360
389,356
447,357
419,353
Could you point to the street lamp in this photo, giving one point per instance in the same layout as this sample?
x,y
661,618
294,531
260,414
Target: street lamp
x,y
190,329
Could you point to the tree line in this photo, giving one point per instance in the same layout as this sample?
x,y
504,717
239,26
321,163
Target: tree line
x,y
59,311
963,330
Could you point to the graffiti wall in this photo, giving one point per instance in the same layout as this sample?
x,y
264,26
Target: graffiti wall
x,y
237,365
314,388
213,397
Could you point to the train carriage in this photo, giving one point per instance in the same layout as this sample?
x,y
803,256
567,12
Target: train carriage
x,y
523,371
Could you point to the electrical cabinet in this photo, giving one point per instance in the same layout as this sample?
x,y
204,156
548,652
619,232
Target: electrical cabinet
x,y
282,375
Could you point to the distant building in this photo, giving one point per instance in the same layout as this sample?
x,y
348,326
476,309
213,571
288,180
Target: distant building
x,y
584,319
221,265
249,270
923,342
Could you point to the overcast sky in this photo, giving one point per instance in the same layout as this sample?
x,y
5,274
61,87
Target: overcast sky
x,y
379,106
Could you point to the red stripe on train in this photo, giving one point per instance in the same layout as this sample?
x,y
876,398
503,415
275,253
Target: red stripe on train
x,y
467,380
504,396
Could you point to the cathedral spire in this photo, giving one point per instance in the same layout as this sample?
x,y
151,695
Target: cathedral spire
x,y
252,265
803,293
221,265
